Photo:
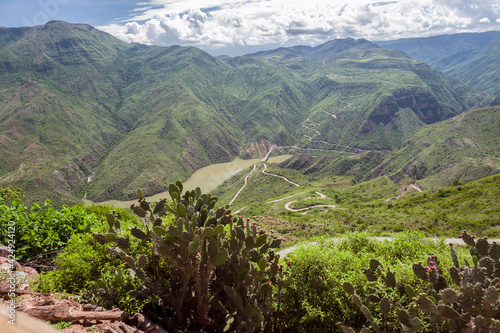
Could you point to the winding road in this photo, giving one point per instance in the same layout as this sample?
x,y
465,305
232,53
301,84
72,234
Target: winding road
x,y
456,241
241,189
287,205
272,174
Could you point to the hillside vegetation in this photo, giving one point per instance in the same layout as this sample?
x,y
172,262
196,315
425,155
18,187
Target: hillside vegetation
x,y
465,148
450,162
471,57
373,206
83,114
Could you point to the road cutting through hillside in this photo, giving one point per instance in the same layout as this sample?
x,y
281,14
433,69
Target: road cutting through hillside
x,y
413,186
295,210
241,189
271,174
287,205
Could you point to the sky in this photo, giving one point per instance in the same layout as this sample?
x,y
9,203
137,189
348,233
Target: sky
x,y
240,27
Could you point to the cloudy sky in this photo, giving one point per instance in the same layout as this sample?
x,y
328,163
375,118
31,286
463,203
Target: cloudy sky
x,y
238,27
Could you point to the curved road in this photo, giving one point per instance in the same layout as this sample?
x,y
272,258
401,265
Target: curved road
x,y
271,174
246,180
457,241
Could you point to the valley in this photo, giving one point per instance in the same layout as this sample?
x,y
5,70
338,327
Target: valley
x,y
135,116
97,118
170,183
206,178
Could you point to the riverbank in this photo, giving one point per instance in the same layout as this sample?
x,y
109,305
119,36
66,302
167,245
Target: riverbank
x,y
207,178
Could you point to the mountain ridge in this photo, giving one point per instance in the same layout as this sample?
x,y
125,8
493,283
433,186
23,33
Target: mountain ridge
x,y
80,104
470,57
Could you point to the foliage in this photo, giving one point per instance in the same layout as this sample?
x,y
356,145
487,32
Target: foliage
x,y
82,261
41,228
473,307
315,299
61,325
443,211
9,193
205,269
367,205
127,218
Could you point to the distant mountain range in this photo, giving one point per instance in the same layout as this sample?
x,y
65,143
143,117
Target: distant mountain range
x,y
85,114
474,58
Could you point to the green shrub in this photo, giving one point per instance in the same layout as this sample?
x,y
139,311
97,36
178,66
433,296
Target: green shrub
x,y
82,261
315,300
127,219
41,228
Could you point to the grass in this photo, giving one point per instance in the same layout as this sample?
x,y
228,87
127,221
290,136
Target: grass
x,y
362,206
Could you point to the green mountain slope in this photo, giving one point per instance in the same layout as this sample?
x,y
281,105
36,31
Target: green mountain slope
x,y
378,205
464,148
431,49
478,68
470,57
369,97
55,119
85,106
173,126
84,114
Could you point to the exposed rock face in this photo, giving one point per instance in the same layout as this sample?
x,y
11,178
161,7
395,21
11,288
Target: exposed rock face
x,y
424,105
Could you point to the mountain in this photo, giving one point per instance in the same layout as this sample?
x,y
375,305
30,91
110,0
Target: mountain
x,y
85,114
464,148
473,58
56,119
370,97
79,105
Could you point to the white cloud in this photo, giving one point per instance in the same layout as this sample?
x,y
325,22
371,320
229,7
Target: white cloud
x,y
235,26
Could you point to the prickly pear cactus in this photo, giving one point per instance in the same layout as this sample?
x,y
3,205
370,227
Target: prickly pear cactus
x,y
222,273
468,303
471,304
406,319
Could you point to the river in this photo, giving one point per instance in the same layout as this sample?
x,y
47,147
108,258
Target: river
x,y
206,178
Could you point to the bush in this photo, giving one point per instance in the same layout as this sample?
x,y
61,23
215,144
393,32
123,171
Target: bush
x,y
82,261
41,228
127,219
315,300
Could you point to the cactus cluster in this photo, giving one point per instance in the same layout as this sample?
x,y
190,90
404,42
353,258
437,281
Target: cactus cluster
x,y
208,268
467,303
390,310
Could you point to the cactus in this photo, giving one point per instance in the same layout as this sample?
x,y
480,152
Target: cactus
x,y
408,319
471,304
222,273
